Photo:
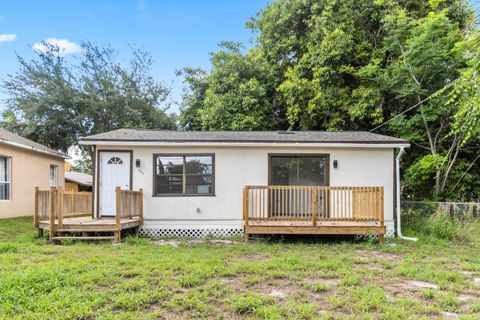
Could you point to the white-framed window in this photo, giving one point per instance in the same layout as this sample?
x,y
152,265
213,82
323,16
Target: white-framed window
x,y
5,178
53,175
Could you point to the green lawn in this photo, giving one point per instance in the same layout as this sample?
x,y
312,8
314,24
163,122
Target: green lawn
x,y
139,279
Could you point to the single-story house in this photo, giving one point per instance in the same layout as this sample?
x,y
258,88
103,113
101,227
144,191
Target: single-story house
x,y
198,183
78,181
24,165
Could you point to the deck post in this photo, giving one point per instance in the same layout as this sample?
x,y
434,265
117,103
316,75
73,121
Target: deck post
x,y
314,206
382,212
118,192
35,217
245,213
52,212
141,205
60,209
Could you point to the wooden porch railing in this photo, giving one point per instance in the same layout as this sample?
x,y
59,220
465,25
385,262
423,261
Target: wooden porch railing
x,y
57,204
313,203
129,204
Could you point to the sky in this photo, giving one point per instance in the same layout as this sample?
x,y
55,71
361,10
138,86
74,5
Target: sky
x,y
177,33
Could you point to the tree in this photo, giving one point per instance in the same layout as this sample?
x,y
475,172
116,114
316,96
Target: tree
x,y
56,102
239,93
354,65
423,60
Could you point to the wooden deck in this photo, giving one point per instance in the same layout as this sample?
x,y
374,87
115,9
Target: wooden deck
x,y
69,215
88,228
306,227
313,210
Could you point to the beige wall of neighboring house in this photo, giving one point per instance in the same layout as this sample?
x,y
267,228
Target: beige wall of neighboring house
x,y
29,169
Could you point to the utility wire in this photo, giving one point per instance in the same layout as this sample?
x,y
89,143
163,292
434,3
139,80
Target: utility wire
x,y
414,106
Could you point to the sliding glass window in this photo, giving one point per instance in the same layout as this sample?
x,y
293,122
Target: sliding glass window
x,y
299,170
184,174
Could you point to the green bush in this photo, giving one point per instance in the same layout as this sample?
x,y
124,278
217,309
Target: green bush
x,y
439,225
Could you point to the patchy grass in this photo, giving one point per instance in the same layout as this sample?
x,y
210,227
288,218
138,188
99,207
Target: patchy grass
x,y
143,280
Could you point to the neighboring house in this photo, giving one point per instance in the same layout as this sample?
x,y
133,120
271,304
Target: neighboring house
x,y
78,181
193,182
24,165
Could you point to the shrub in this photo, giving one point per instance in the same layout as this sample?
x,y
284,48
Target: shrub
x,y
439,225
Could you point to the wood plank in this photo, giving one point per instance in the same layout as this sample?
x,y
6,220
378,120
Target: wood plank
x,y
118,204
85,238
334,230
52,212
35,217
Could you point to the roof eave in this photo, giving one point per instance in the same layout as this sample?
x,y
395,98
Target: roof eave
x,y
79,183
22,146
358,144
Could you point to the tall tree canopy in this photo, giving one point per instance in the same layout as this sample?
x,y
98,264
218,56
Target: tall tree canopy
x,y
354,65
55,101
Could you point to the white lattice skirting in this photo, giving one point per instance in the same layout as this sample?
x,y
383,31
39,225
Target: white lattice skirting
x,y
162,231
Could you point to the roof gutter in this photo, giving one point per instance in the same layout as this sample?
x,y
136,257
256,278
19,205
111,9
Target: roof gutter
x,y
397,176
241,144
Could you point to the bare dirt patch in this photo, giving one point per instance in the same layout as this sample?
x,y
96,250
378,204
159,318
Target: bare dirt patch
x,y
415,284
372,254
253,257
476,281
450,315
282,289
162,242
408,289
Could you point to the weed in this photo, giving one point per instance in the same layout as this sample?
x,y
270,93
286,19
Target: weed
x,y
428,293
320,287
249,303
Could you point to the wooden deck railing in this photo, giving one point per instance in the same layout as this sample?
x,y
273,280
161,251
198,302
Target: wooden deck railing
x,y
57,204
313,203
129,204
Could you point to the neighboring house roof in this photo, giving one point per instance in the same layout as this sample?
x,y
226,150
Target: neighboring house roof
x,y
80,178
144,135
13,139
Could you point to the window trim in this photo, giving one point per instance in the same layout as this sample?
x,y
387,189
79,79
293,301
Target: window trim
x,y
56,175
9,175
303,155
154,175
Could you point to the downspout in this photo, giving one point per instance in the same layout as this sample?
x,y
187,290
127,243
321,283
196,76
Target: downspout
x,y
397,176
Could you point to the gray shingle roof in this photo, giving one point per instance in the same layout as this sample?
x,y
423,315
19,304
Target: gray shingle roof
x,y
83,179
11,138
139,135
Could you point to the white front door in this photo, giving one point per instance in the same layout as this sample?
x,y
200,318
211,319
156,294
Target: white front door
x,y
114,172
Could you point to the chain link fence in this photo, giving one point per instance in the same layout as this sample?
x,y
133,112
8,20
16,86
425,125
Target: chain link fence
x,y
459,210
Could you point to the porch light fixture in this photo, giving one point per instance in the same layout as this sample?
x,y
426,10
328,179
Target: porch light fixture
x,y
137,163
335,164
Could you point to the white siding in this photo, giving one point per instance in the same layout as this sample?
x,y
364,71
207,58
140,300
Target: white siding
x,y
239,166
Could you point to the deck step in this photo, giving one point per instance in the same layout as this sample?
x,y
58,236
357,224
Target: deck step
x,y
85,230
84,238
